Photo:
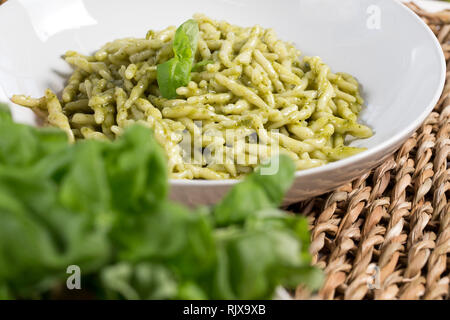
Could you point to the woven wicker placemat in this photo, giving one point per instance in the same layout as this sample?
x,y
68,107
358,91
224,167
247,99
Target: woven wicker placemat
x,y
387,234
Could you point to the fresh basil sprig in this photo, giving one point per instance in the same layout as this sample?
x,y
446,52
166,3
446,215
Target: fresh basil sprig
x,y
173,74
176,72
185,41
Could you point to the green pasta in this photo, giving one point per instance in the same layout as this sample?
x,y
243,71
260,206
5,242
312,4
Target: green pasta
x,y
220,98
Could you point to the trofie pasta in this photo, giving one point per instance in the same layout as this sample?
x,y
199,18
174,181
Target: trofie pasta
x,y
246,95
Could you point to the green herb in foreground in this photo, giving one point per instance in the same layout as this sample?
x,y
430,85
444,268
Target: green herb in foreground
x,y
103,206
176,72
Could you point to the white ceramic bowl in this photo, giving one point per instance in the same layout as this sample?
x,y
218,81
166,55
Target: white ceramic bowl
x,y
388,48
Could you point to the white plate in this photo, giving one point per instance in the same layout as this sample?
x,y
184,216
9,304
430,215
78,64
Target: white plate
x,y
388,48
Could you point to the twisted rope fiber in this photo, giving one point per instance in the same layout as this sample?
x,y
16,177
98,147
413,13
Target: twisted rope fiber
x,y
395,220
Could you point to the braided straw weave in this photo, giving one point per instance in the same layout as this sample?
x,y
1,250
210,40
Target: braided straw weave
x,y
387,234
